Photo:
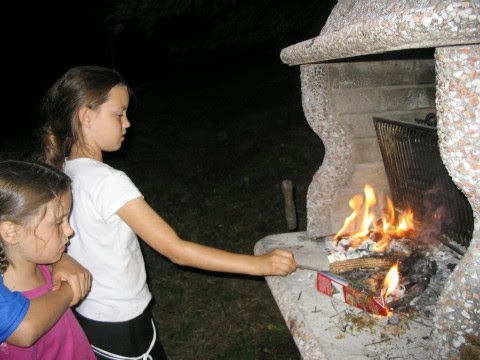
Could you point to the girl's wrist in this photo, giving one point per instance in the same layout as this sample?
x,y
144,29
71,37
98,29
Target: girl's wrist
x,y
65,290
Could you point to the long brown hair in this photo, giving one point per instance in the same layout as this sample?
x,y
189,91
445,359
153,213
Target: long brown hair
x,y
78,87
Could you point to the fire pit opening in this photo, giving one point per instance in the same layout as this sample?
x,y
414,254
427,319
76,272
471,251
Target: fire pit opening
x,y
380,253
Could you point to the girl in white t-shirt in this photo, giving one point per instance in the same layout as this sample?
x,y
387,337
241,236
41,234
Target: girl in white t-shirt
x,y
86,114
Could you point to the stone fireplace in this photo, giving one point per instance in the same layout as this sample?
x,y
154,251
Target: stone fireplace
x,y
402,60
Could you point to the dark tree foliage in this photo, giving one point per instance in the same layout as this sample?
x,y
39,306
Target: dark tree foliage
x,y
187,25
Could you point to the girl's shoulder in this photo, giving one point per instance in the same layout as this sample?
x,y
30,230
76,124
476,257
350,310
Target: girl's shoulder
x,y
85,168
95,175
87,164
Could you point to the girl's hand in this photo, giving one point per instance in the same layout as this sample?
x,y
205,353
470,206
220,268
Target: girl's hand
x,y
277,262
79,278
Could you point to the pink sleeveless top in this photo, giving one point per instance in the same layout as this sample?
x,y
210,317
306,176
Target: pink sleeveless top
x,y
65,340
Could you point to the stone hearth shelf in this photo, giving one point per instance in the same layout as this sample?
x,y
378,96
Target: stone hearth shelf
x,y
326,328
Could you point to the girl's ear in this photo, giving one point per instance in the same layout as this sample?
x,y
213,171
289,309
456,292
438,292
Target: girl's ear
x,y
8,231
84,116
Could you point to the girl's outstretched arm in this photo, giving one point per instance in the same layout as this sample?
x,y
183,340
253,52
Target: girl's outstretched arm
x,y
157,233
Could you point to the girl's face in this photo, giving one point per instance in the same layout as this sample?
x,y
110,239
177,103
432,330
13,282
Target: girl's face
x,y
108,123
45,243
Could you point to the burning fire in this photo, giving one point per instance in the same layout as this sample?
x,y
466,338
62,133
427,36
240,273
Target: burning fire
x,y
390,282
380,224
363,221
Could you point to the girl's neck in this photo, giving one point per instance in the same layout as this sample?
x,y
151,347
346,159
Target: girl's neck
x,y
86,151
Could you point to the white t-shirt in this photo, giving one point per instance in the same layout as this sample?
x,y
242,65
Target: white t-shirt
x,y
104,243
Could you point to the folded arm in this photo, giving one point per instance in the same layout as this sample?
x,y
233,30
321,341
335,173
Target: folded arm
x,y
42,314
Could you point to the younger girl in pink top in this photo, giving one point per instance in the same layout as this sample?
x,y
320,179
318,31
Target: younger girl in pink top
x,y
35,202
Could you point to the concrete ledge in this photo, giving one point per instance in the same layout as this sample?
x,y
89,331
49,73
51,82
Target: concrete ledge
x,y
321,326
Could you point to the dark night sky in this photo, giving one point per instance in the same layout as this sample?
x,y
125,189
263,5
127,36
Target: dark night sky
x,y
44,39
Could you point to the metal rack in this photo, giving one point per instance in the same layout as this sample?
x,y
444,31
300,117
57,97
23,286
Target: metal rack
x,y
419,180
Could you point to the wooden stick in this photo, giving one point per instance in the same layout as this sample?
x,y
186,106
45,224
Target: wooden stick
x,y
290,211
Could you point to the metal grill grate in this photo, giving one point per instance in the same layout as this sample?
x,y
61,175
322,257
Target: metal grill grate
x,y
419,180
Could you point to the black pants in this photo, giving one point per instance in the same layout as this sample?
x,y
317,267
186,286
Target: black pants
x,y
130,338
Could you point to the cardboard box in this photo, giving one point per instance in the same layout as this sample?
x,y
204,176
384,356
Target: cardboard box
x,y
338,288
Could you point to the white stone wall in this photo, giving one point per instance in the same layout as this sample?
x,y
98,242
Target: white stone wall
x,y
458,102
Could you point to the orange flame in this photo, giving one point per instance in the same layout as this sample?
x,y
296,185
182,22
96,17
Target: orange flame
x,y
361,222
391,281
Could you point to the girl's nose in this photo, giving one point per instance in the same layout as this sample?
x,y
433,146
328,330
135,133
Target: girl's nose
x,y
126,123
68,230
